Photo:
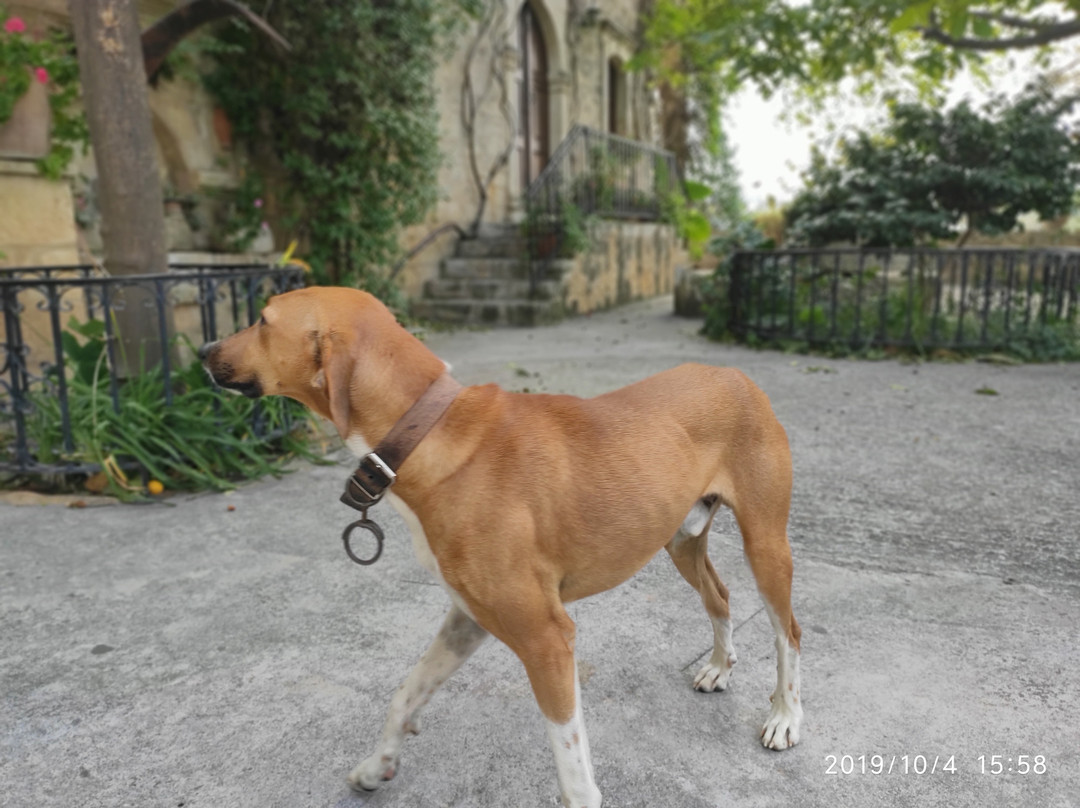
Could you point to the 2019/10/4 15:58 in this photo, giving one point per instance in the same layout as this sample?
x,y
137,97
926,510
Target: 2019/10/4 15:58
x,y
933,764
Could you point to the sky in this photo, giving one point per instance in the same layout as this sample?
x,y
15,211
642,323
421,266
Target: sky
x,y
770,152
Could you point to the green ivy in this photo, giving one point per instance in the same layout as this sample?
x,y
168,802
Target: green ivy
x,y
682,210
344,126
244,213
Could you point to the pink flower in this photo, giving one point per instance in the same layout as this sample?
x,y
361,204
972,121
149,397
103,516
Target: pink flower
x,y
14,25
42,75
265,225
258,203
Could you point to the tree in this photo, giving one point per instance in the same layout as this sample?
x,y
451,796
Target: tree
x,y
873,196
930,169
129,186
118,112
813,45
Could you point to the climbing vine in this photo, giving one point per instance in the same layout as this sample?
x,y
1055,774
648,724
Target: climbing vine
x,y
474,95
344,127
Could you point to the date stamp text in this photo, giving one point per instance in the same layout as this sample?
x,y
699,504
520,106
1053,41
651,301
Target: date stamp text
x,y
933,764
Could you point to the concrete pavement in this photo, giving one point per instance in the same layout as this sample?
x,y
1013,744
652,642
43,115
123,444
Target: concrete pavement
x,y
187,654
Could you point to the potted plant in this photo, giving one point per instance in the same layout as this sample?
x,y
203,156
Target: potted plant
x,y
38,85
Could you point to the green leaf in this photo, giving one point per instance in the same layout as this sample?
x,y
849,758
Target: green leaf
x,y
697,191
91,329
915,15
982,28
696,227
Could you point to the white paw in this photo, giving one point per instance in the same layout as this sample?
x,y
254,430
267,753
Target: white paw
x,y
714,677
781,730
373,772
588,797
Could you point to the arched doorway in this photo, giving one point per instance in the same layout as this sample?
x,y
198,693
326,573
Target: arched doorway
x,y
533,151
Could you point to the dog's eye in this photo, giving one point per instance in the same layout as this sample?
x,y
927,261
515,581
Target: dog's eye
x,y
262,320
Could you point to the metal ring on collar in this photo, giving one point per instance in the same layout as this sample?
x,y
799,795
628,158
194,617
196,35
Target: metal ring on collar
x,y
375,530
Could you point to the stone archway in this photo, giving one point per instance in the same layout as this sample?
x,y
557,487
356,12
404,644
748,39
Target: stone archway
x,y
541,104
533,129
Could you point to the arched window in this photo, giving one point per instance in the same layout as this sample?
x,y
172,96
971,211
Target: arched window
x,y
616,86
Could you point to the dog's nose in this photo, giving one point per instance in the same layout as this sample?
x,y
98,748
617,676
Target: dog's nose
x,y
205,350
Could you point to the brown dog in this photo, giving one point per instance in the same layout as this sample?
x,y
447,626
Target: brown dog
x,y
521,503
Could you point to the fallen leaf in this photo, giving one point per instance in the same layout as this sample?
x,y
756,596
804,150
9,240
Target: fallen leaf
x,y
97,482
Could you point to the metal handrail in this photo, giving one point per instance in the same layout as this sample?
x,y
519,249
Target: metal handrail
x,y
593,173
554,163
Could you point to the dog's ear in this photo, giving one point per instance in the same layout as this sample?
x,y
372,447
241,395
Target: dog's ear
x,y
335,378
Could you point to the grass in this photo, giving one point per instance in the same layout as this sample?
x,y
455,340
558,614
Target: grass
x,y
202,440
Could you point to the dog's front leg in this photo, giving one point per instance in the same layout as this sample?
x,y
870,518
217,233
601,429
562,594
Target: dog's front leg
x,y
572,761
548,655
455,642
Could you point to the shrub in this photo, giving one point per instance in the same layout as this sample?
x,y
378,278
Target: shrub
x,y
202,440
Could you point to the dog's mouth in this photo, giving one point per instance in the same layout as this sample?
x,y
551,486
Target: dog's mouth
x,y
251,389
222,376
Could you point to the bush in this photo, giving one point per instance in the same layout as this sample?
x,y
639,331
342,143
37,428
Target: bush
x,y
202,440
845,302
744,236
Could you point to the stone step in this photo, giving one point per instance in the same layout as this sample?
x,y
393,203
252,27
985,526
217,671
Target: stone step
x,y
502,268
490,289
511,269
503,247
513,312
497,230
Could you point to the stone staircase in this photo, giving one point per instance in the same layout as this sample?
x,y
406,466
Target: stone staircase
x,y
486,282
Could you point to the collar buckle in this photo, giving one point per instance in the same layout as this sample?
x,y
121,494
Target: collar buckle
x,y
368,483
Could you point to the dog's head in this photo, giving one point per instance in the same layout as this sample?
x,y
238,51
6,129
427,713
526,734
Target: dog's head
x,y
307,345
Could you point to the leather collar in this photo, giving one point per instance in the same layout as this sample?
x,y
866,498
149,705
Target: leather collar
x,y
378,469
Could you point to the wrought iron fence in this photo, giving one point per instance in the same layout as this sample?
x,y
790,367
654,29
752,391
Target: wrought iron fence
x,y
922,299
592,173
43,308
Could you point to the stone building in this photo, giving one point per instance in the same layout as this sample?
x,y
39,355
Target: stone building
x,y
527,79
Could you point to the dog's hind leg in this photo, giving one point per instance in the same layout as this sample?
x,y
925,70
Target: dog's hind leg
x,y
772,569
689,550
455,642
763,496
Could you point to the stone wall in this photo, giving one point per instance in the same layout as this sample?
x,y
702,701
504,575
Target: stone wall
x,y
37,218
56,222
580,45
626,261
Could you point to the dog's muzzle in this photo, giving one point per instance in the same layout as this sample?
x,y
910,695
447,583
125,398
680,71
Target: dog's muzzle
x,y
221,374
